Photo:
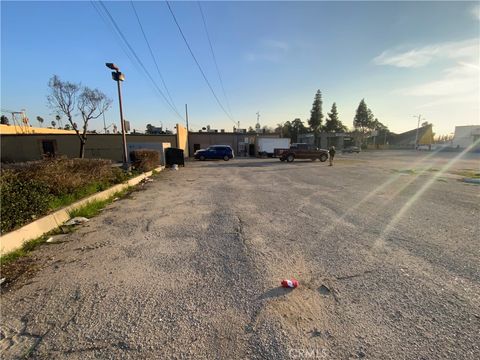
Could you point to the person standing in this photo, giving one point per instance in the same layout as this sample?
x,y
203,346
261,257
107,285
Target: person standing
x,y
331,153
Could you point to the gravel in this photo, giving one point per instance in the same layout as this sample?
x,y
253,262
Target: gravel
x,y
385,248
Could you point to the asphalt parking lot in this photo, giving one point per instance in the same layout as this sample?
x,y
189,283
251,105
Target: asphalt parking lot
x,y
385,246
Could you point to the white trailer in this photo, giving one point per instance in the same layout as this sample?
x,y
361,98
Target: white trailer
x,y
267,145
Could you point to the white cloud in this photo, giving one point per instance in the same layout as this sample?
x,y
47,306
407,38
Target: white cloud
x,y
476,12
418,57
276,44
268,50
457,83
461,79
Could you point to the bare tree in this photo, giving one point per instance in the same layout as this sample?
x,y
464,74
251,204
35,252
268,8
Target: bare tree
x,y
92,104
65,97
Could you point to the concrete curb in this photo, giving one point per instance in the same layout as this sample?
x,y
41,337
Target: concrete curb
x,y
15,239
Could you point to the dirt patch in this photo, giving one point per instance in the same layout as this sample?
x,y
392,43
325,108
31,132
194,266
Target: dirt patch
x,y
20,269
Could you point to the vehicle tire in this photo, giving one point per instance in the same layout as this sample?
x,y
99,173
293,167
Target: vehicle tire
x,y
290,158
201,158
323,157
226,158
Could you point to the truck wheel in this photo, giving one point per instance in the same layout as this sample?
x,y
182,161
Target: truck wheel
x,y
226,158
323,157
290,158
202,158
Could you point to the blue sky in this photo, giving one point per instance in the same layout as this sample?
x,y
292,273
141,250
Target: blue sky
x,y
404,58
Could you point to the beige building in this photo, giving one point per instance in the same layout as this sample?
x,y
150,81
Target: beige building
x,y
18,148
19,130
35,146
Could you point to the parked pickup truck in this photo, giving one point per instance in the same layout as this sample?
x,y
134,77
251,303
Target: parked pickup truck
x,y
302,151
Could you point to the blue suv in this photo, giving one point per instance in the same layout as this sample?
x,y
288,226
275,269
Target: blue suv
x,y
224,152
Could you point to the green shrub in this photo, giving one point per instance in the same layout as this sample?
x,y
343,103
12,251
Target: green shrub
x,y
65,176
144,159
22,200
30,190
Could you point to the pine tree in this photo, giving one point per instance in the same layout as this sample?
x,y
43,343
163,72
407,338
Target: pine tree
x,y
363,118
333,123
316,115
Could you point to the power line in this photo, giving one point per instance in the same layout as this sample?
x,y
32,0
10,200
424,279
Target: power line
x,y
153,56
119,39
214,57
137,58
198,64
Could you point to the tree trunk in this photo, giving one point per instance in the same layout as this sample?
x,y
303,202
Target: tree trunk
x,y
82,148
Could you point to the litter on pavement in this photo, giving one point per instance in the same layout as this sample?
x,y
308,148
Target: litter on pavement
x,y
289,283
76,221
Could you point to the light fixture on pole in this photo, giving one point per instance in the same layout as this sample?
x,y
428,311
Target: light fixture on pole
x,y
118,77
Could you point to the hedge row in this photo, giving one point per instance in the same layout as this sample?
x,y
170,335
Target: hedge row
x,y
144,160
31,190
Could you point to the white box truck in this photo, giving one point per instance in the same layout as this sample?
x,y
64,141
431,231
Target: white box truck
x,y
267,145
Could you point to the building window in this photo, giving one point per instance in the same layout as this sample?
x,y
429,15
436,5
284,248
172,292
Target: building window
x,y
48,148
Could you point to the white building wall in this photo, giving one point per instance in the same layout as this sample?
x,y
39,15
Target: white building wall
x,y
465,136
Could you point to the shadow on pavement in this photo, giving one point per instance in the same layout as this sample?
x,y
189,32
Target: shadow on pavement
x,y
258,163
276,292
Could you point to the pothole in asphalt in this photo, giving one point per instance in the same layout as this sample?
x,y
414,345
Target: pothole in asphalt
x,y
324,290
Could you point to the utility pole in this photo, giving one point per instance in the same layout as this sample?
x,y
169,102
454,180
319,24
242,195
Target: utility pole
x,y
419,117
104,125
186,115
118,77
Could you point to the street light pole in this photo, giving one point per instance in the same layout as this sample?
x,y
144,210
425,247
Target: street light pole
x,y
418,126
118,76
122,122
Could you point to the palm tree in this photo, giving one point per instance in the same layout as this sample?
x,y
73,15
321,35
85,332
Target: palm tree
x,y
40,120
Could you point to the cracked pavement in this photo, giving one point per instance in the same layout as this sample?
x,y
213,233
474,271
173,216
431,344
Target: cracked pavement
x,y
189,266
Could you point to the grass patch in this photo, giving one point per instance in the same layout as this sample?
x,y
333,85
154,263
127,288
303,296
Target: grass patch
x,y
406,171
67,199
90,209
93,208
468,173
26,248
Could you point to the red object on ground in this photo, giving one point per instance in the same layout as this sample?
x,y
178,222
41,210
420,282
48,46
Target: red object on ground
x,y
290,283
